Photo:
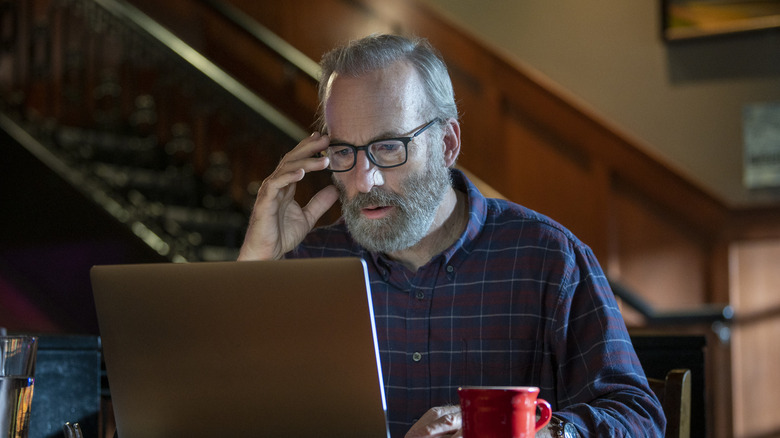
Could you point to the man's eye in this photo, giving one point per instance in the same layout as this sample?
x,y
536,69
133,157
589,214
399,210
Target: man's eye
x,y
336,151
386,146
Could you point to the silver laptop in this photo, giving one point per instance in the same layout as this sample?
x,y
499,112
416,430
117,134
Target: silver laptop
x,y
233,349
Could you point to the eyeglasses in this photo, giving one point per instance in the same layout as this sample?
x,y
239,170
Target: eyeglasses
x,y
386,153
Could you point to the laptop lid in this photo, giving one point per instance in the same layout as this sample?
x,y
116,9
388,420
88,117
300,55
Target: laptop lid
x,y
276,348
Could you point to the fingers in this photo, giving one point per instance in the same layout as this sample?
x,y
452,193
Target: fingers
x,y
442,421
277,222
294,166
320,203
303,156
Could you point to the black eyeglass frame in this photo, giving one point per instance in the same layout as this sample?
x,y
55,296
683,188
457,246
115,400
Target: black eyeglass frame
x,y
404,140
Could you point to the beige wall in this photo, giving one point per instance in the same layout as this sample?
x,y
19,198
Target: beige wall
x,y
753,294
682,101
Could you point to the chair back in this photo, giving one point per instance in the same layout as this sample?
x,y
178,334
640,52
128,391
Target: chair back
x,y
674,392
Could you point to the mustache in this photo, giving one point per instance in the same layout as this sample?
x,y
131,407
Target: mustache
x,y
375,197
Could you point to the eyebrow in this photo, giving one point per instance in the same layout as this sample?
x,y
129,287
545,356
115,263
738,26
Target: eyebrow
x,y
383,136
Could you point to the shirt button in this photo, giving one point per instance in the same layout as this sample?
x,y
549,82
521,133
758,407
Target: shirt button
x,y
417,356
450,268
420,295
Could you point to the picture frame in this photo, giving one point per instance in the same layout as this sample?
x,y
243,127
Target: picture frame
x,y
693,19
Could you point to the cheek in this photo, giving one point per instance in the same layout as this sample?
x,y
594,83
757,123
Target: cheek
x,y
337,180
345,182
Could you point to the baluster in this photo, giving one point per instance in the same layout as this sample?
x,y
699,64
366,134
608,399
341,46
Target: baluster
x,y
143,119
183,185
8,26
217,179
10,17
106,98
71,40
39,94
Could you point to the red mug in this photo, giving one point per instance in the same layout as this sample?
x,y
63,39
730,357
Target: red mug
x,y
502,411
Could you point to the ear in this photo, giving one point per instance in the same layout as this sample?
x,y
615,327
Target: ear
x,y
451,142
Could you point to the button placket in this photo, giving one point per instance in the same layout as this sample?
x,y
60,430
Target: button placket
x,y
418,329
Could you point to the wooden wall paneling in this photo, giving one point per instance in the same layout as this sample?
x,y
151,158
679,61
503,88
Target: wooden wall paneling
x,y
754,223
316,27
755,379
658,255
482,142
719,355
719,391
594,137
548,176
606,220
755,283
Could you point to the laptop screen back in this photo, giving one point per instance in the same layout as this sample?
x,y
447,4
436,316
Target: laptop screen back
x,y
279,348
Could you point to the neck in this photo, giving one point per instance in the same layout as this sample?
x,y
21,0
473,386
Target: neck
x,y
448,225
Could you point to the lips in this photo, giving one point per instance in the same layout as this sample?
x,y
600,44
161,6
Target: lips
x,y
376,212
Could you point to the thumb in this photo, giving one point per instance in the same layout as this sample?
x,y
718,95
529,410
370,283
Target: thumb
x,y
320,203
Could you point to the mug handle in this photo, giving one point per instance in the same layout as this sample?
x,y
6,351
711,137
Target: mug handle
x,y
545,415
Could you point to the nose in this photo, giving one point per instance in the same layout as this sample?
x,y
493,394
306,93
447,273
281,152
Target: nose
x,y
366,175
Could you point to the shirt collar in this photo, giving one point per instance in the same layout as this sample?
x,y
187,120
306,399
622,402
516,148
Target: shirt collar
x,y
477,205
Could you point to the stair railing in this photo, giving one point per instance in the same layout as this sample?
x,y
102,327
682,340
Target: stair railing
x,y
163,138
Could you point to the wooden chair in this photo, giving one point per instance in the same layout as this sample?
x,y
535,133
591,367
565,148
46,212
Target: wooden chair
x,y
674,392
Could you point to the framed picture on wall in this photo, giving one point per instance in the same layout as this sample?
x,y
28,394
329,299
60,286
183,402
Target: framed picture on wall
x,y
761,136
687,19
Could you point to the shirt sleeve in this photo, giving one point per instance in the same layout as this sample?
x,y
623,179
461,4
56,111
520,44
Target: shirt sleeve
x,y
601,387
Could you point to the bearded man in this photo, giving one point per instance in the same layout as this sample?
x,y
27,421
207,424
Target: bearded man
x,y
466,290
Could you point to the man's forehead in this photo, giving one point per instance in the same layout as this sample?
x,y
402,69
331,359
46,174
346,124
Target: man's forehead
x,y
383,101
361,130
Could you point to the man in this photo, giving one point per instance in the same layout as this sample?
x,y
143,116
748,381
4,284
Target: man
x,y
466,290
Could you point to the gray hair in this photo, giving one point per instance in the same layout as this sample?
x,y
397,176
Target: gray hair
x,y
376,52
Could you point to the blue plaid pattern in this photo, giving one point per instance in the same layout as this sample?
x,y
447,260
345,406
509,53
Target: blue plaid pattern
x,y
517,300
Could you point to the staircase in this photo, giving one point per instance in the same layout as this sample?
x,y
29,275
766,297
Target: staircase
x,y
143,149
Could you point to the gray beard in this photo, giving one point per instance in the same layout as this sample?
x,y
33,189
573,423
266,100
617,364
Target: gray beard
x,y
412,217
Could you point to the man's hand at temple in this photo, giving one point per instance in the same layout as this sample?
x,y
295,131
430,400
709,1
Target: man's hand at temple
x,y
442,421
278,223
